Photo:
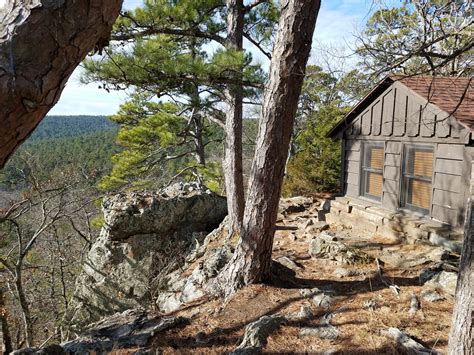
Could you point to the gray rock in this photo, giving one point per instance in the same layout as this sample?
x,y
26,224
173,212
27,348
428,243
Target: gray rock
x,y
317,227
145,237
322,332
290,264
344,272
194,286
325,330
320,298
451,245
305,313
256,334
431,296
130,329
327,246
294,204
325,205
444,280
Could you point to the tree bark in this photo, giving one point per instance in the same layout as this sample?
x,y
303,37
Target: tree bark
x,y
460,337
6,342
25,308
41,43
252,258
233,169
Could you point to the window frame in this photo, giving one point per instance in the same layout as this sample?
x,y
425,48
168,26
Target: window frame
x,y
405,177
364,170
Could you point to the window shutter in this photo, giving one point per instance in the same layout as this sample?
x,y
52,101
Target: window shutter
x,y
423,163
421,193
376,158
375,184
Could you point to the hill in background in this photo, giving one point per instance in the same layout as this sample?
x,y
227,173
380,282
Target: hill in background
x,y
70,126
62,142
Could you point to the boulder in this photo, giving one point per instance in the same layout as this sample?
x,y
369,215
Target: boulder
x,y
129,329
327,246
256,334
144,238
290,264
443,280
294,204
190,282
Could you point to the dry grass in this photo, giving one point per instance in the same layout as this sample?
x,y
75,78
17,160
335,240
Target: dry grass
x,y
217,327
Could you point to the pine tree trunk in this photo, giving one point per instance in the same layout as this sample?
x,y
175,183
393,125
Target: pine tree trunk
x,y
41,43
233,170
197,126
252,258
460,337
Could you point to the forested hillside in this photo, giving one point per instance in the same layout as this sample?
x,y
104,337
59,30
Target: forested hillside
x,y
70,126
86,143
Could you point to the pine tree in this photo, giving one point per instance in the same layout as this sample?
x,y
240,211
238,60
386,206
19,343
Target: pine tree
x,y
163,55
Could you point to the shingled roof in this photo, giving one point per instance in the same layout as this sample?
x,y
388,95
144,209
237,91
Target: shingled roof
x,y
454,95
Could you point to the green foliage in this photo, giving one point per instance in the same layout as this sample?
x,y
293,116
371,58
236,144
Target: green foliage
x,y
156,144
177,82
314,164
70,126
54,157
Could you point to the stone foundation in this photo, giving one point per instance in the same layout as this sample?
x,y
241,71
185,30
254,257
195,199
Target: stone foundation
x,y
363,217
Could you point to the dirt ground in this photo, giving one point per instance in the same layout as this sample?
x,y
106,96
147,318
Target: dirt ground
x,y
217,327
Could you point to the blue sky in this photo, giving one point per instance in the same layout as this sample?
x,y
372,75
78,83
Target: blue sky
x,y
337,21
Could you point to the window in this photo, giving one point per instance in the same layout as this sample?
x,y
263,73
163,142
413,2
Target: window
x,y
372,170
417,173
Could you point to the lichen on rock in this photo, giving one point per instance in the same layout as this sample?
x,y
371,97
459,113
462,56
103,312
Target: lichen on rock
x,y
144,238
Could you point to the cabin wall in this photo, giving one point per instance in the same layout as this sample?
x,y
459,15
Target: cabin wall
x,y
399,117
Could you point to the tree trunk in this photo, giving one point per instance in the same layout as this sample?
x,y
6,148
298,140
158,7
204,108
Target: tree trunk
x,y
5,340
460,337
25,309
234,181
252,258
197,125
41,43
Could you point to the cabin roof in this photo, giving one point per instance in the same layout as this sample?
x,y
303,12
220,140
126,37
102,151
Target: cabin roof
x,y
454,95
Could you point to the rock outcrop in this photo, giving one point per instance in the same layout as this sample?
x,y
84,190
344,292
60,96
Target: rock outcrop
x,y
145,237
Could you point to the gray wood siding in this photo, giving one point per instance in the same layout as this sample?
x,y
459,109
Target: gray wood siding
x,y
351,167
399,117
450,182
402,115
391,175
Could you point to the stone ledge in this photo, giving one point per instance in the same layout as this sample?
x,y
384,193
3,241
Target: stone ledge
x,y
361,216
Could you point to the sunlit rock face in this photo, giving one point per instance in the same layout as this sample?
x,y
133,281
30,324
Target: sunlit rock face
x,y
145,237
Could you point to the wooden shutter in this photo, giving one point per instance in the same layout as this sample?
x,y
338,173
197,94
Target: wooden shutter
x,y
376,158
421,193
423,163
374,184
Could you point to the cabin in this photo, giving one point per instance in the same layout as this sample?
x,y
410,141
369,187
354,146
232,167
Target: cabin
x,y
407,153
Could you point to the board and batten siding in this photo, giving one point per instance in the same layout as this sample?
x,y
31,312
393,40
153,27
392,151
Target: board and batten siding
x,y
400,117
450,183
